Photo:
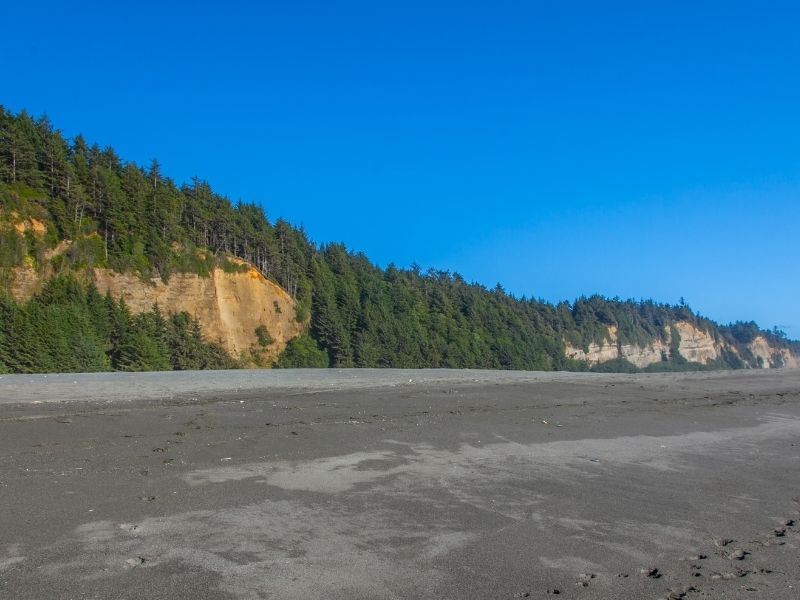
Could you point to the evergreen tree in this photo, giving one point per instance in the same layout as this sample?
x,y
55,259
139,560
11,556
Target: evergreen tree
x,y
132,219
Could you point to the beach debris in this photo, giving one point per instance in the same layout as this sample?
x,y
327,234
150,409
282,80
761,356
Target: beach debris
x,y
698,557
729,575
681,593
738,554
722,542
651,572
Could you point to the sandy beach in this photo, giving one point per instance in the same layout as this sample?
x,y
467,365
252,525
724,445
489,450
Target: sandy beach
x,y
400,484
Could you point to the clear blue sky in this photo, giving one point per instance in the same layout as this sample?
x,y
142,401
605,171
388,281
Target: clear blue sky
x,y
637,149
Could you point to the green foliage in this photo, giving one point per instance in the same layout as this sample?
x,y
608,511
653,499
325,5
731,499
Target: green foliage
x,y
301,310
87,252
618,365
192,260
230,266
675,356
680,365
302,352
69,327
263,336
12,248
132,218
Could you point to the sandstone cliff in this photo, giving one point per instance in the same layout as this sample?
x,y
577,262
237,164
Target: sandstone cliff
x,y
768,357
696,345
611,349
228,306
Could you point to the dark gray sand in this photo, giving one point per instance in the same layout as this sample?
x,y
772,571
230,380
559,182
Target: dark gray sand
x,y
400,484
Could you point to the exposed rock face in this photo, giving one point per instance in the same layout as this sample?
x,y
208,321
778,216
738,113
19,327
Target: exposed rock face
x,y
21,225
597,353
696,345
769,357
24,282
228,306
611,349
657,351
33,225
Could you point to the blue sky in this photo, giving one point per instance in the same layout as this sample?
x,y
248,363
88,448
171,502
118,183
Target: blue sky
x,y
559,148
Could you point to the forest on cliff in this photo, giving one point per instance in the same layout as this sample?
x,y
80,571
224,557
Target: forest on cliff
x,y
134,219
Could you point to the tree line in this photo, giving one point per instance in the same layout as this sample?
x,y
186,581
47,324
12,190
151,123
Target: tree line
x,y
69,326
135,219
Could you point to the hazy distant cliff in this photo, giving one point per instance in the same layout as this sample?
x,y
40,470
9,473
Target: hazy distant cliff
x,y
693,344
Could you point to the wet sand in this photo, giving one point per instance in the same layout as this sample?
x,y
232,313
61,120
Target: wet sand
x,y
400,484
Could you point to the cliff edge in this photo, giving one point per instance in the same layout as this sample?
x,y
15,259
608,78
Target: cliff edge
x,y
229,306
692,343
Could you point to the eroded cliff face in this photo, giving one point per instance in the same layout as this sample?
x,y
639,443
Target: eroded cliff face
x,y
597,353
610,349
696,345
769,357
642,356
228,306
24,282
